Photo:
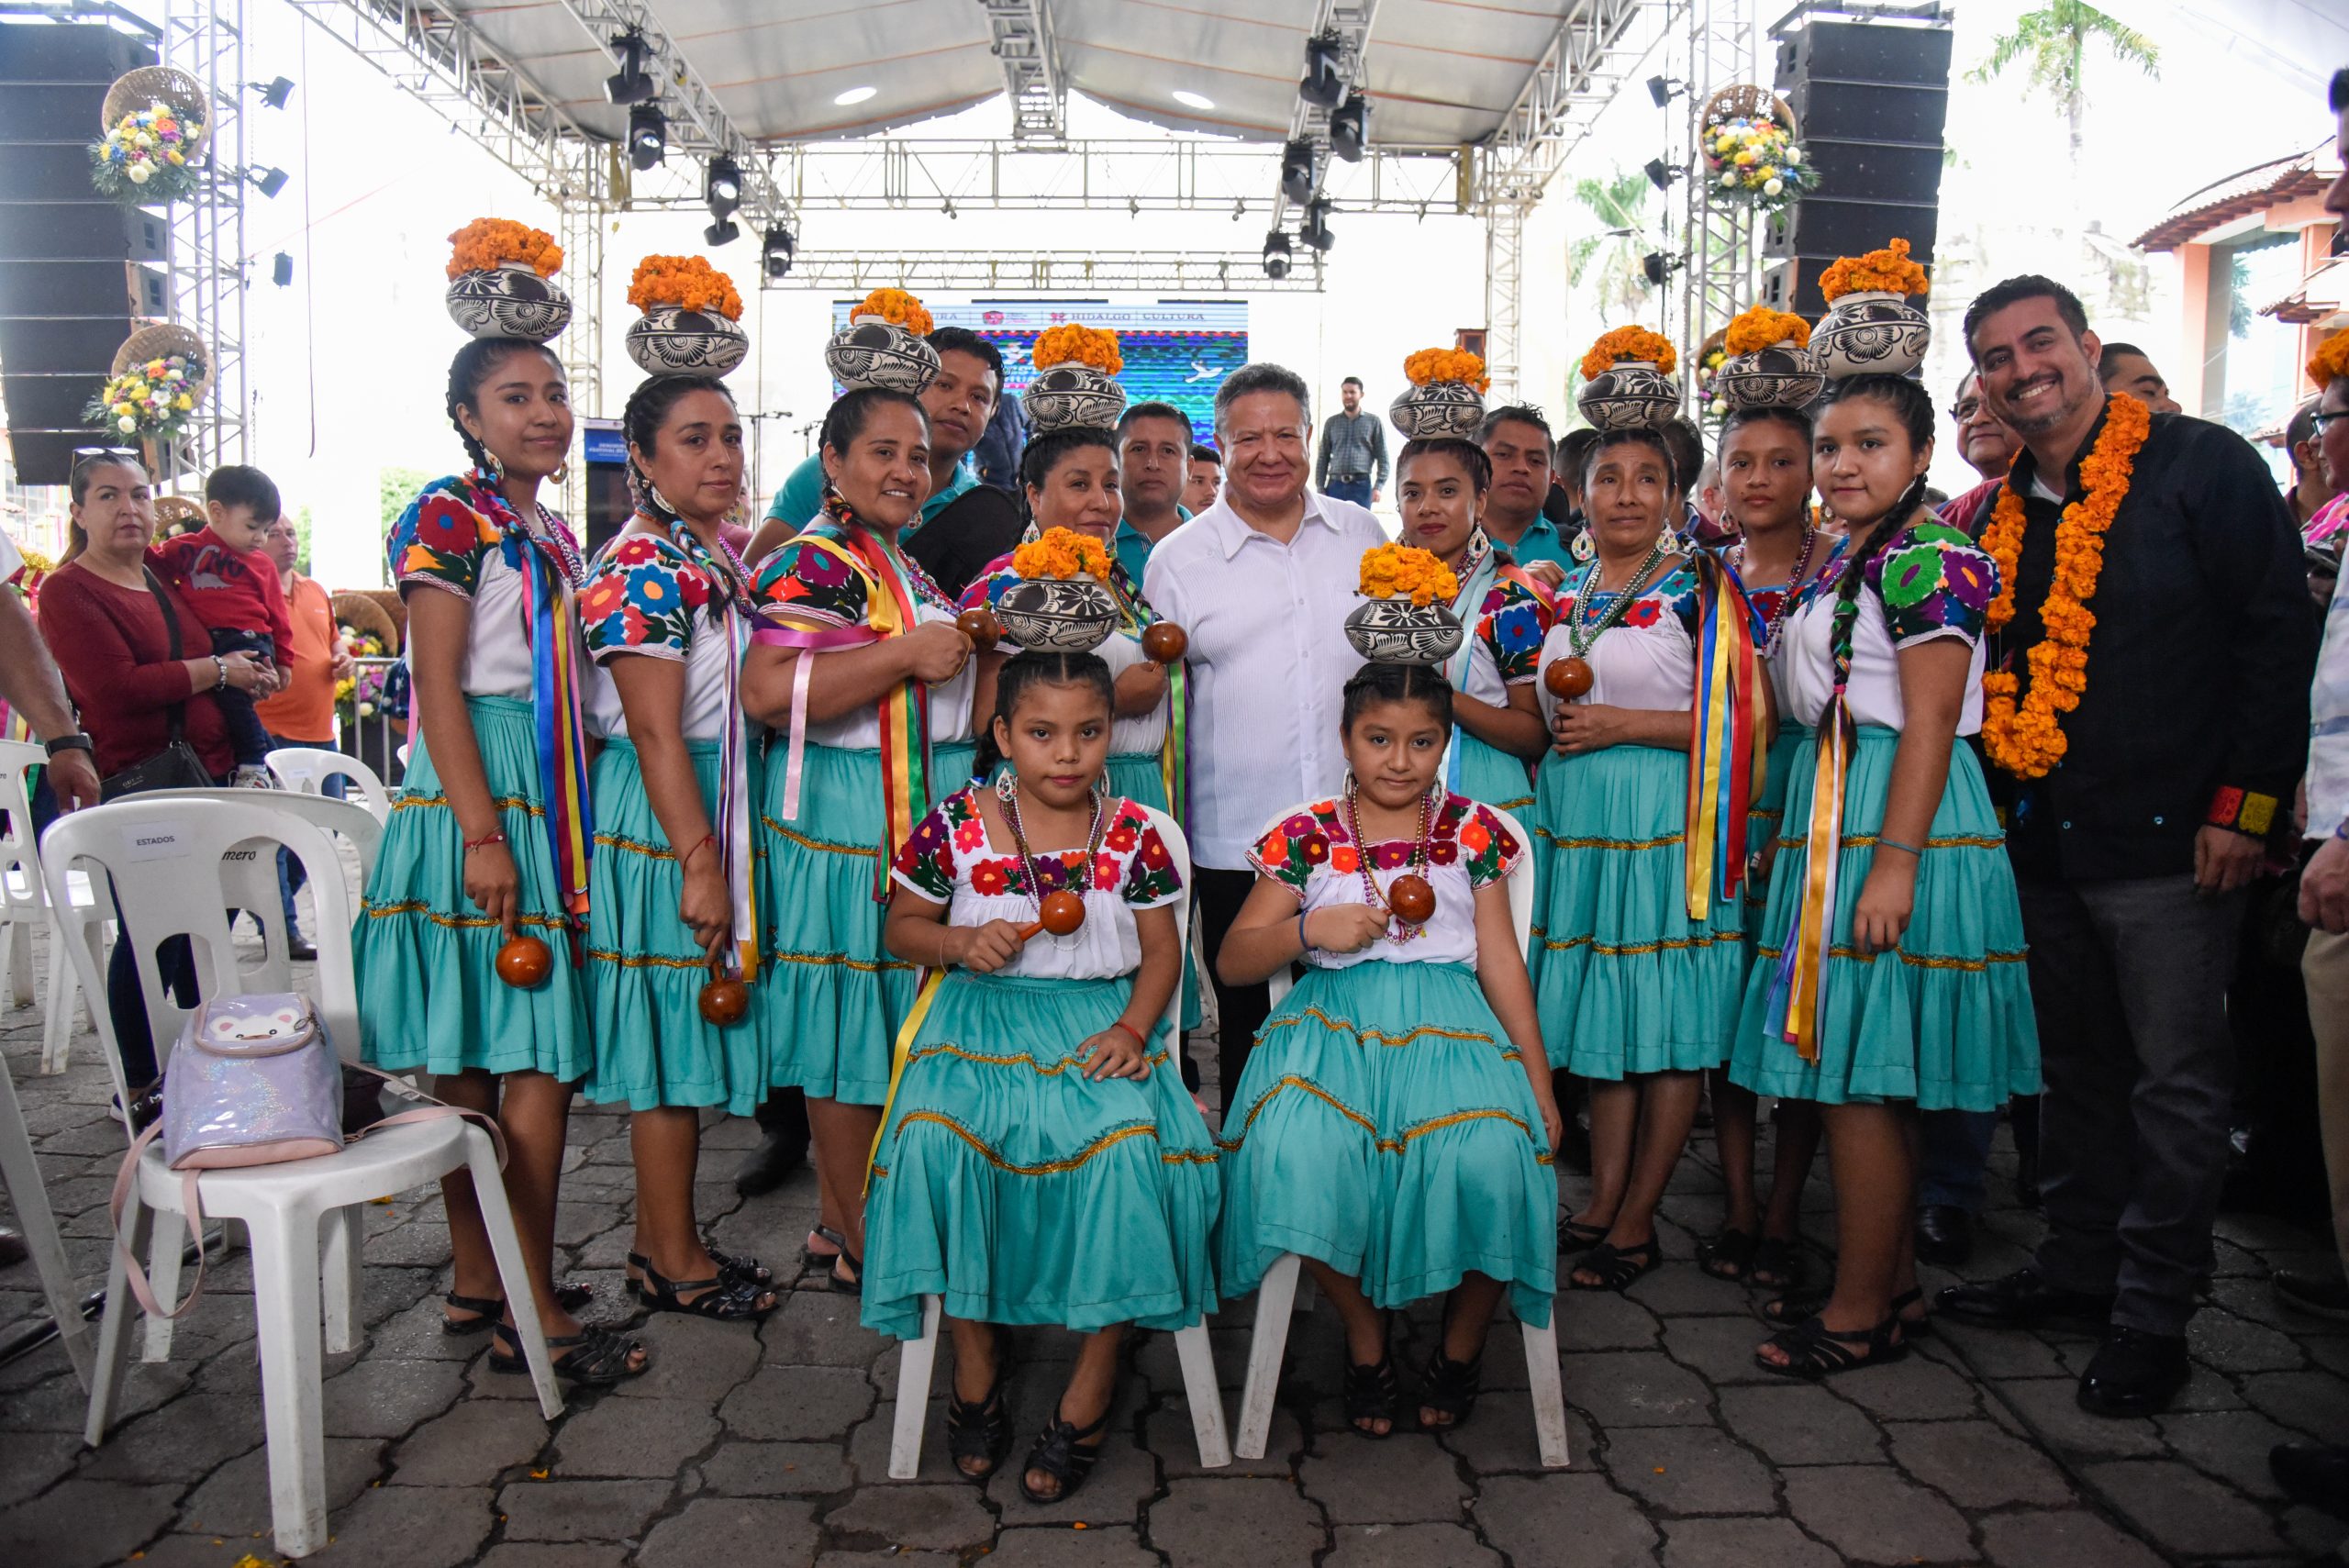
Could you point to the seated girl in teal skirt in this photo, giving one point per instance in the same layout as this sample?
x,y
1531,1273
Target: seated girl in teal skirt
x,y
1395,1124
1040,1162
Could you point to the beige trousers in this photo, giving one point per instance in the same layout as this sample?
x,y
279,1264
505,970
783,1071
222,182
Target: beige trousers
x,y
2325,966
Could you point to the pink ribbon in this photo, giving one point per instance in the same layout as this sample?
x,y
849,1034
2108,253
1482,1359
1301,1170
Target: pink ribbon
x,y
809,643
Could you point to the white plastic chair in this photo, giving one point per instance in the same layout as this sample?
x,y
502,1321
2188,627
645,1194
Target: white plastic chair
x,y
20,1176
1276,1296
169,849
304,768
919,1359
24,908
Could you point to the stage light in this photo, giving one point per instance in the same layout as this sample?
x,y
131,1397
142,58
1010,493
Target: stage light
x,y
1350,128
725,231
648,137
1276,254
1297,171
268,182
1656,266
1323,85
775,251
280,270
1191,100
855,96
721,187
1315,230
1661,175
1663,89
631,84
273,93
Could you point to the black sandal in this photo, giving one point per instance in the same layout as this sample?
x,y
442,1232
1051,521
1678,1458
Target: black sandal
x,y
724,1297
1058,1455
1814,1351
1778,1264
1371,1394
1788,1311
981,1429
595,1357
1618,1268
1792,1309
1728,1256
830,1238
569,1296
1911,1328
749,1271
1575,1237
1452,1389
854,1284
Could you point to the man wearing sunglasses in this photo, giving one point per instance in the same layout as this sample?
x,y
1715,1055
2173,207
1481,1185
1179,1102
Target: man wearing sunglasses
x,y
1989,448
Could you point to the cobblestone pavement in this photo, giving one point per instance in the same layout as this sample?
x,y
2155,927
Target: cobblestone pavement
x,y
769,1447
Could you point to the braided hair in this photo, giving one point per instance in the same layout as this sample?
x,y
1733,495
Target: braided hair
x,y
1038,667
1376,684
467,371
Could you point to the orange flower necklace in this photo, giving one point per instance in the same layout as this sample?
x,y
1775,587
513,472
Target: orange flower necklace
x,y
2026,737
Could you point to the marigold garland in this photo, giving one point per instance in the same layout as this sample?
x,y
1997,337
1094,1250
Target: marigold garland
x,y
897,307
2026,738
1405,572
486,243
1889,270
1629,343
1431,365
2331,361
1761,328
1071,343
689,282
1061,553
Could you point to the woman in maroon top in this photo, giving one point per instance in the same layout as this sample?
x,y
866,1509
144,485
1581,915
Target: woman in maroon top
x,y
106,629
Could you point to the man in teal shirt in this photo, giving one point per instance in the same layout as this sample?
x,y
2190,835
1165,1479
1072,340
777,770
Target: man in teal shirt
x,y
1516,439
1154,462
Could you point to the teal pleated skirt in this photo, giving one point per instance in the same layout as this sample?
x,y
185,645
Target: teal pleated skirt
x,y
1020,1191
839,996
1945,1020
1390,1131
1488,773
1625,982
645,972
1763,823
429,998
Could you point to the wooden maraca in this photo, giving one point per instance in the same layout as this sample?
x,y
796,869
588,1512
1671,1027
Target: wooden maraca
x,y
1568,678
525,961
724,999
1163,642
1063,914
978,624
1412,899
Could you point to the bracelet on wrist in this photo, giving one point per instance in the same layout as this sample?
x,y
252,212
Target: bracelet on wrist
x,y
483,841
2244,811
1126,1028
1303,943
221,670
2342,830
1884,843
686,859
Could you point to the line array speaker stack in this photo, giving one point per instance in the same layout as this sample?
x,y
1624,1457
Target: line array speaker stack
x,y
1869,88
74,267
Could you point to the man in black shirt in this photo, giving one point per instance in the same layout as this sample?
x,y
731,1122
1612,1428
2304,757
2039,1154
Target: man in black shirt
x,y
2132,850
954,543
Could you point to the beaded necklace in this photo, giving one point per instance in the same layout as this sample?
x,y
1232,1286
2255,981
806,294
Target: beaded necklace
x,y
1422,850
1007,794
1582,632
1777,622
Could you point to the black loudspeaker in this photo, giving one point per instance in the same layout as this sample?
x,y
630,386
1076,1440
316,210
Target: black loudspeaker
x,y
1870,97
71,278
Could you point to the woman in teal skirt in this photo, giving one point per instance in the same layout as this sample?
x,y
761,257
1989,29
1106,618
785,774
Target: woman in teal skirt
x,y
1395,1124
667,612
489,838
1041,1162
1779,559
1497,732
1891,974
858,667
1637,990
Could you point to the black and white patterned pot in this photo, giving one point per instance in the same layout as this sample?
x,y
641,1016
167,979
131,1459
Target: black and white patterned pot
x,y
1438,409
1633,396
667,340
1871,332
1063,615
1396,631
871,352
1782,374
509,300
1073,394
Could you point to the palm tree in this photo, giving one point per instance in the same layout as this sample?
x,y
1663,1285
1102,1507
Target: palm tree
x,y
2054,41
1610,258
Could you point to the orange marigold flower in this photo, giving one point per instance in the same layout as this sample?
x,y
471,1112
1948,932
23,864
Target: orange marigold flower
x,y
1431,365
1070,343
1889,270
1629,343
486,241
897,306
689,282
1762,327
2331,361
1061,553
1405,572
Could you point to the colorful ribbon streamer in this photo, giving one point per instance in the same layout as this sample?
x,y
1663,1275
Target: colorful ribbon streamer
x,y
737,849
1728,749
1798,994
549,569
901,1048
1174,755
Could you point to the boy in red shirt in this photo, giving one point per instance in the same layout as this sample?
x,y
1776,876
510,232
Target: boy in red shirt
x,y
234,589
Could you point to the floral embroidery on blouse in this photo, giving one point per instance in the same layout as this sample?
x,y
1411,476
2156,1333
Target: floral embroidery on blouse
x,y
1133,862
1933,581
1512,623
643,597
1314,836
1673,594
811,583
441,536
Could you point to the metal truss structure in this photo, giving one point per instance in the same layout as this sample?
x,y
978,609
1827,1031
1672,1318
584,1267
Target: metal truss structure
x,y
206,261
1723,264
1032,69
1045,271
1349,24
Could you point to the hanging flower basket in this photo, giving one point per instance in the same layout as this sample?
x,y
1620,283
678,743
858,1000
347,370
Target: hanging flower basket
x,y
1751,157
154,127
160,375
